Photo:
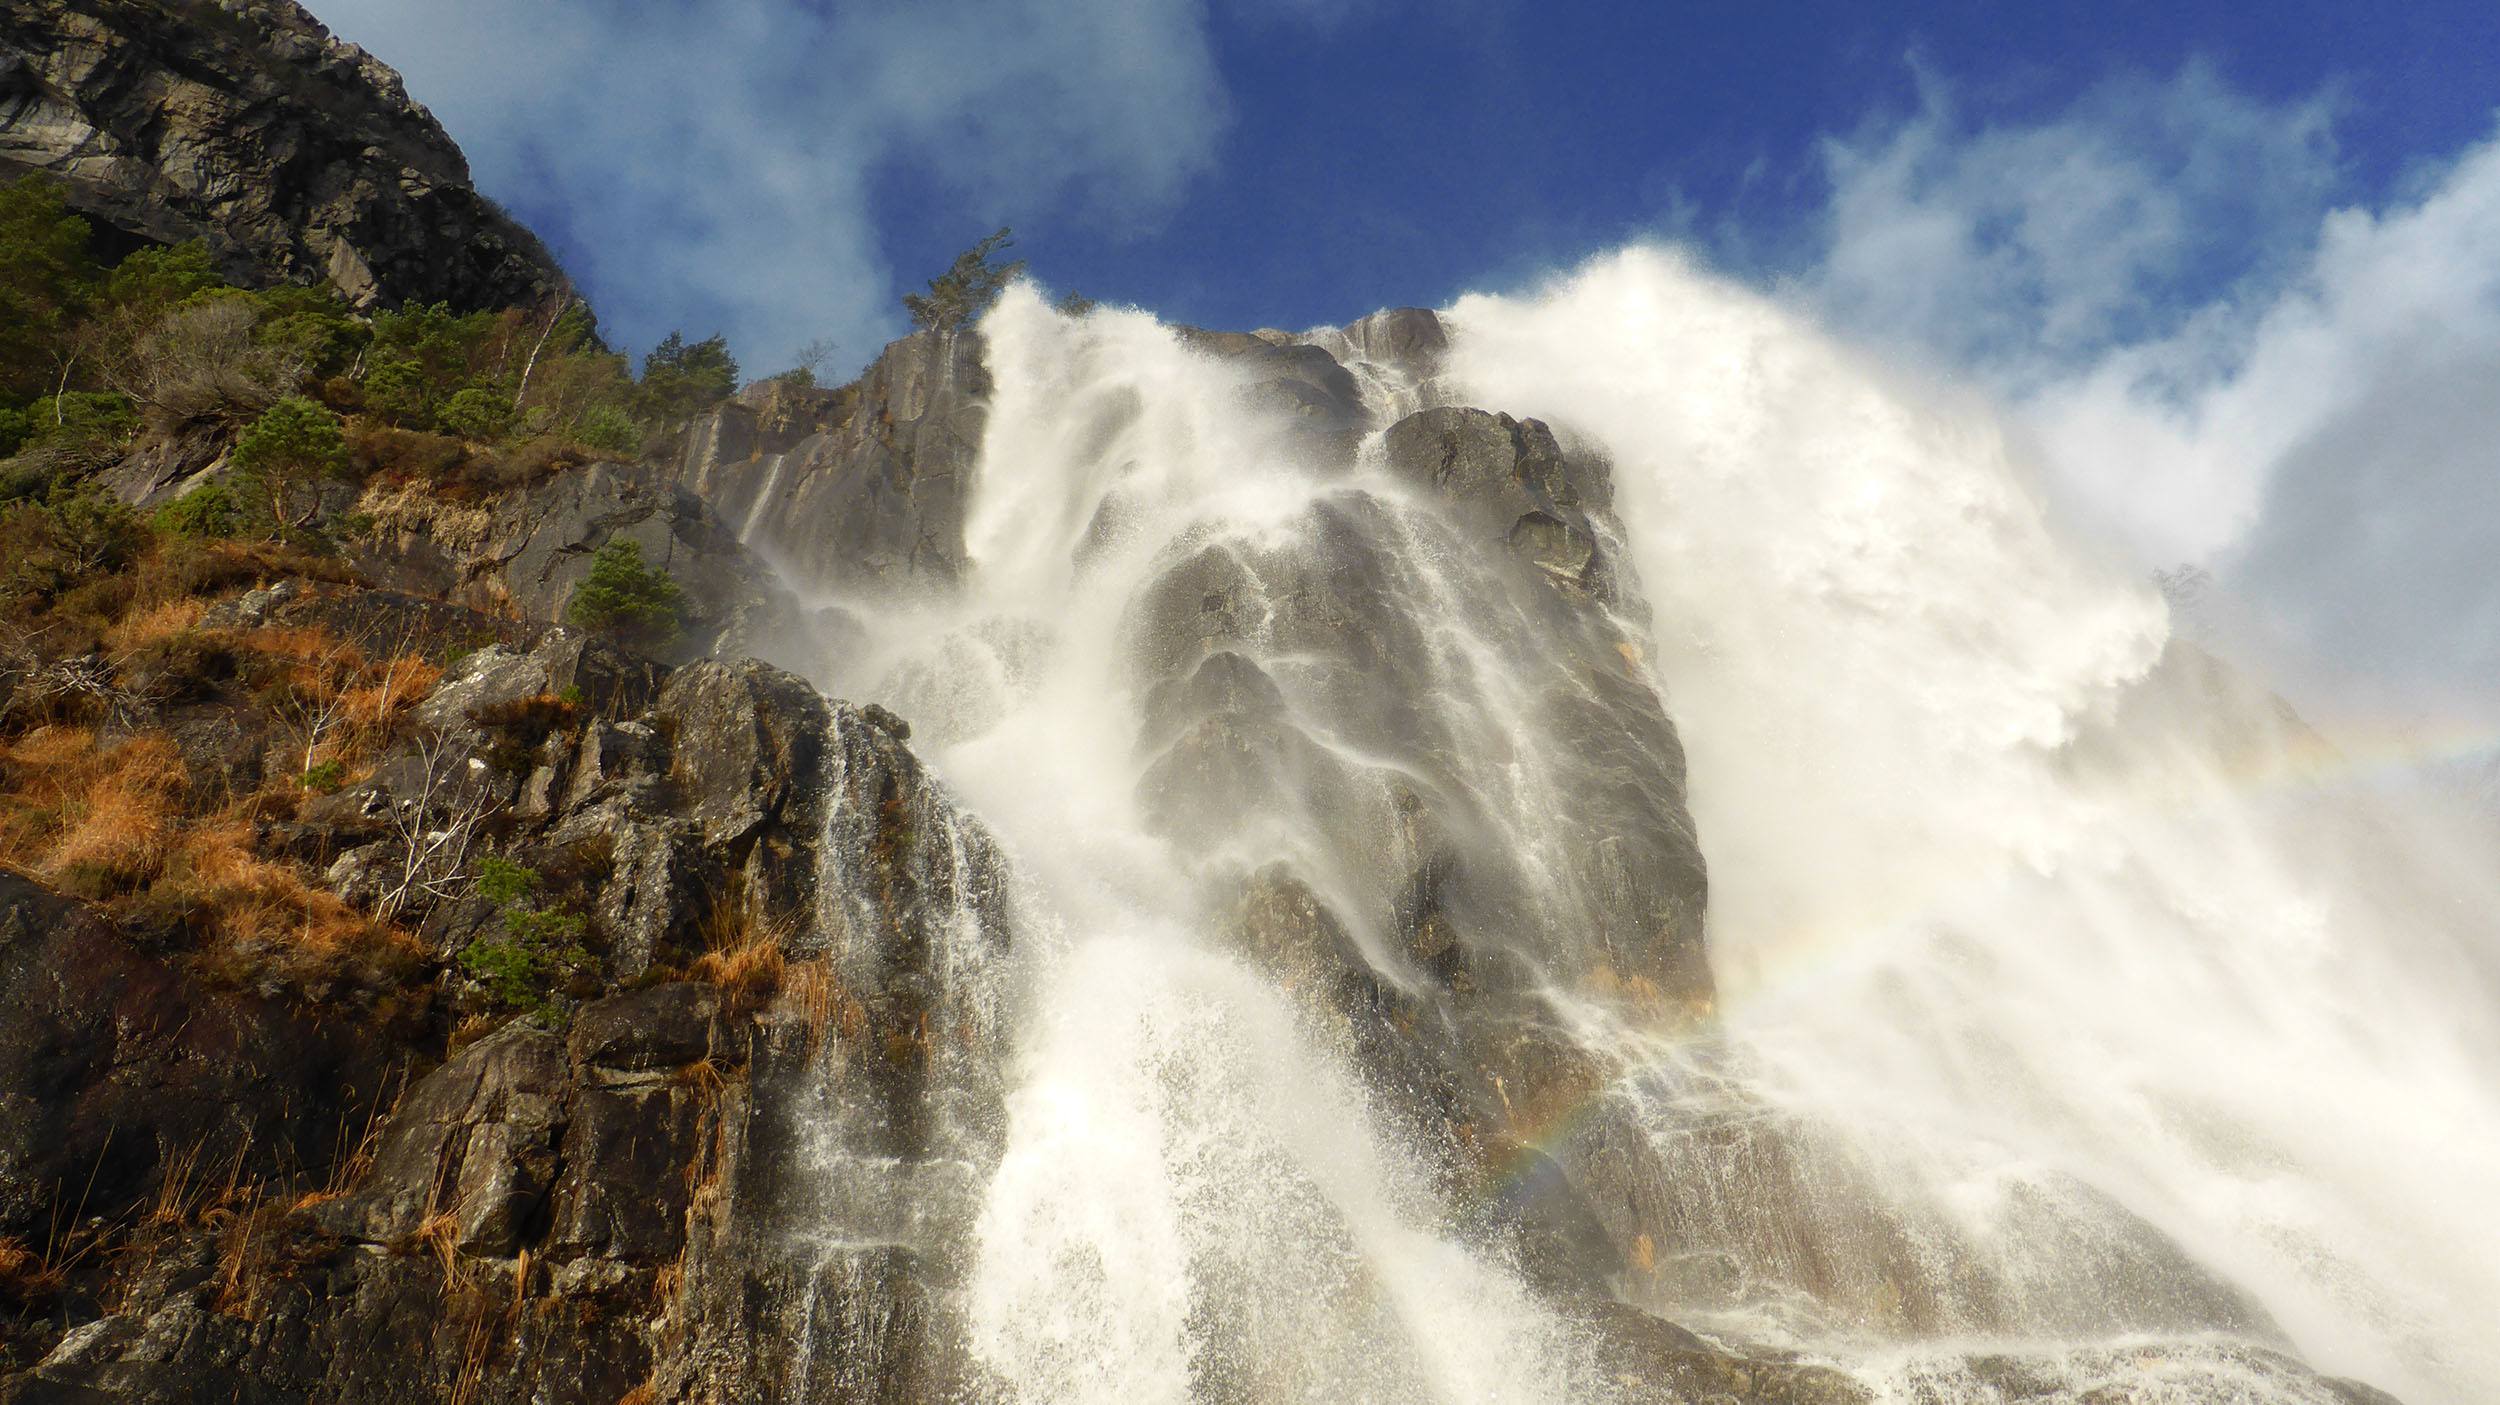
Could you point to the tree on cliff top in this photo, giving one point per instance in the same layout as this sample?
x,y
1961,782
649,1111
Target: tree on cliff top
x,y
965,290
681,378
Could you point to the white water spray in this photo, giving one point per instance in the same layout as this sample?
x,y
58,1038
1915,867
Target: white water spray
x,y
2004,945
1972,914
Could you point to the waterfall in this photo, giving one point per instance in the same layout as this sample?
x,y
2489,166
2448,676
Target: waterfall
x,y
1360,1044
2010,903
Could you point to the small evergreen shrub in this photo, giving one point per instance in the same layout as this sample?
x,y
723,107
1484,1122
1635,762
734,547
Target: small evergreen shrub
x,y
539,949
475,413
283,454
609,430
395,390
209,510
622,596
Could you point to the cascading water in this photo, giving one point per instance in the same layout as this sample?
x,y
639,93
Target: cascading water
x,y
1362,1051
2012,939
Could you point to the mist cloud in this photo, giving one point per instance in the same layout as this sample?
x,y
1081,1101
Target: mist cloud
x,y
2221,364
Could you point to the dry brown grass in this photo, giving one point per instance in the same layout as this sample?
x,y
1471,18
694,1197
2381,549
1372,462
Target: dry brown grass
x,y
743,952
409,508
258,902
155,623
97,818
439,1237
243,1253
816,996
389,688
705,1077
26,1277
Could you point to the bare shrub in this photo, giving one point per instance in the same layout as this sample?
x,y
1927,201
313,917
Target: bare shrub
x,y
202,364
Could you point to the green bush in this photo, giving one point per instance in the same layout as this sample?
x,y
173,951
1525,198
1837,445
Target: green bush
x,y
47,278
159,280
79,429
77,536
281,457
475,413
15,427
622,596
609,430
503,882
395,390
209,510
313,326
539,950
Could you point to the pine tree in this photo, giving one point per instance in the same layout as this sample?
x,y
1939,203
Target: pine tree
x,y
280,458
680,377
964,291
625,597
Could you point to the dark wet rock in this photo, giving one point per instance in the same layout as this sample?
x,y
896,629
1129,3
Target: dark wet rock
x,y
297,157
663,1028
1409,337
475,1141
745,737
123,1072
1510,482
1295,380
626,1153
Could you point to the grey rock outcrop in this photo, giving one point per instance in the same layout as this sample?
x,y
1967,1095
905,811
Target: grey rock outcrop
x,y
297,157
523,552
860,490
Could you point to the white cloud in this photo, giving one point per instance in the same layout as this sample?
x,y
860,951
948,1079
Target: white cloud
x,y
2025,244
2219,365
716,159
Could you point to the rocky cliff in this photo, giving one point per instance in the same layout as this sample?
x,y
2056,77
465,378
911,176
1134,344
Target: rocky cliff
x,y
295,156
732,1147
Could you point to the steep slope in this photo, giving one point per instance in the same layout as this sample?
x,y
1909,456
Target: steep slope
x,y
296,156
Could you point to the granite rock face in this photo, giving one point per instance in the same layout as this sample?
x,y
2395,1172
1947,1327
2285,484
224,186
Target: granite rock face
x,y
297,157
858,491
660,1195
521,553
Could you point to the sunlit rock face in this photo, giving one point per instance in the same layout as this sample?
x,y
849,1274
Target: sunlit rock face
x,y
857,490
297,157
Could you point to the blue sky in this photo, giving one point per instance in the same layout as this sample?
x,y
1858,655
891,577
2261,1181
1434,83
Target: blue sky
x,y
2235,267
1290,162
